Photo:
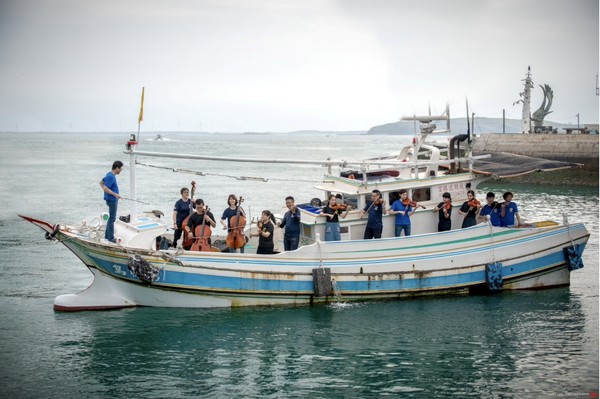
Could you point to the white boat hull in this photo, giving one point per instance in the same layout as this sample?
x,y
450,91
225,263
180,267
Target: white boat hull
x,y
429,264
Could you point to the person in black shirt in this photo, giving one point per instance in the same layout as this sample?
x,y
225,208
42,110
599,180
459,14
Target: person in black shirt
x,y
332,211
444,210
266,226
201,213
470,209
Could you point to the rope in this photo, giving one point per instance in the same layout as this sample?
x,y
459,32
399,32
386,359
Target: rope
x,y
489,222
566,223
199,173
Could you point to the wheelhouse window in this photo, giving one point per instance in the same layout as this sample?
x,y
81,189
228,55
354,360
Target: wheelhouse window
x,y
351,200
421,194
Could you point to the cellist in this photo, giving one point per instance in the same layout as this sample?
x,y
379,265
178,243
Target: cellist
x,y
231,211
200,214
403,210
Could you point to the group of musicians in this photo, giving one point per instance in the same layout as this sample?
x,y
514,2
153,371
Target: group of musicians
x,y
193,220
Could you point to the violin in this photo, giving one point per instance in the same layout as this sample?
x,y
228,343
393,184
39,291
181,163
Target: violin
x,y
187,242
447,206
236,238
339,207
414,204
474,203
202,236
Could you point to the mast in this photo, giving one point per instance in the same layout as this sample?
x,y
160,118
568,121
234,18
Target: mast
x,y
526,115
131,147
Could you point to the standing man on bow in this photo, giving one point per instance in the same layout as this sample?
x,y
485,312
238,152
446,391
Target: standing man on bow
x,y
111,196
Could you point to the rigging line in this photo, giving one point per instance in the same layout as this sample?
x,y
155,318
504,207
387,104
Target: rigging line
x,y
249,178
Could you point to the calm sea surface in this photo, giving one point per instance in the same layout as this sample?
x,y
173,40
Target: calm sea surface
x,y
528,344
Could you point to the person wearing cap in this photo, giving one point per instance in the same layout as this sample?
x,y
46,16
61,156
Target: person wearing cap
x,y
444,210
111,196
492,208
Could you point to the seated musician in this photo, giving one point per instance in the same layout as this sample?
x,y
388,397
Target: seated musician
x,y
201,213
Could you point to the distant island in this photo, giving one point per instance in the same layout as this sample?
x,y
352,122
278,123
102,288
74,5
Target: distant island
x,y
459,125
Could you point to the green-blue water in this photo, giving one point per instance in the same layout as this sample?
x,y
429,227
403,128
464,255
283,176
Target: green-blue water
x,y
512,345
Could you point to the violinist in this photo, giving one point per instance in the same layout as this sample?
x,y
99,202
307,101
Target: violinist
x,y
444,210
403,209
291,223
183,208
201,213
470,209
375,209
332,212
492,208
266,227
231,211
509,211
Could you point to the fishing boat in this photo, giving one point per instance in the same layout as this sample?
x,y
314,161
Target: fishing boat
x,y
138,271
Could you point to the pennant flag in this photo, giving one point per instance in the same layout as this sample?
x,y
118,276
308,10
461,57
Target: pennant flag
x,y
141,118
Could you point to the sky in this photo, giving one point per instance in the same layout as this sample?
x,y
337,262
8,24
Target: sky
x,y
287,65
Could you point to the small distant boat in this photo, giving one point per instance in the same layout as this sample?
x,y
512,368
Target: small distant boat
x,y
483,258
158,138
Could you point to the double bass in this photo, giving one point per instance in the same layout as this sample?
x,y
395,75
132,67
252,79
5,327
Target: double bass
x,y
187,242
235,237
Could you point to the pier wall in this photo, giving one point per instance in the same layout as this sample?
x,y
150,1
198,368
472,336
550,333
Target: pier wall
x,y
578,148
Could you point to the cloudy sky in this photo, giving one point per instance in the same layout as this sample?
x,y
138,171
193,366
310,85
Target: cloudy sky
x,y
284,65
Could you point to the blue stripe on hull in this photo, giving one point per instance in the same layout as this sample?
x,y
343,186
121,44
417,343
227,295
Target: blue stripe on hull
x,y
369,284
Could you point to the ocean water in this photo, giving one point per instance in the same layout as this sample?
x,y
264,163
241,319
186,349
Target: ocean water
x,y
511,345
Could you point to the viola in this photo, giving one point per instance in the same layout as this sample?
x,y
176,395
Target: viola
x,y
187,242
414,204
448,206
236,238
202,236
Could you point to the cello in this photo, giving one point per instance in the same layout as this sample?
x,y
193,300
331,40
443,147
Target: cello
x,y
236,238
202,235
187,242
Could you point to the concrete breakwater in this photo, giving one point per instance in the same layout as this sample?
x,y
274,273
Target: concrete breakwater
x,y
572,148
576,148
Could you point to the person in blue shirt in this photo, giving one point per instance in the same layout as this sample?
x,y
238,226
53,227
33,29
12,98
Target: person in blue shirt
x,y
403,214
509,211
492,208
111,196
375,209
183,208
291,223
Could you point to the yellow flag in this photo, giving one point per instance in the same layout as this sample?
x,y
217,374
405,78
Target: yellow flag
x,y
141,118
